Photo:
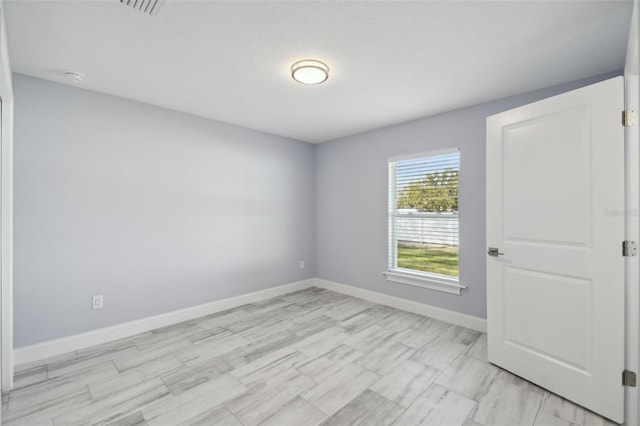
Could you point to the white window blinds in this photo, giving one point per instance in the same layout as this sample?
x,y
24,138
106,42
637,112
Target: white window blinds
x,y
423,214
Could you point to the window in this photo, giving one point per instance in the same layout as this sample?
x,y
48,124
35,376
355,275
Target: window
x,y
423,220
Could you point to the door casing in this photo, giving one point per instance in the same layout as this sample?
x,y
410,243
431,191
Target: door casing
x,y
6,212
632,210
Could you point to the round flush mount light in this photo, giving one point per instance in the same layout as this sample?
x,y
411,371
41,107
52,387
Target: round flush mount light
x,y
76,77
310,71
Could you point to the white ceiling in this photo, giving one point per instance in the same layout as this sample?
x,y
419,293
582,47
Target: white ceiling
x,y
390,61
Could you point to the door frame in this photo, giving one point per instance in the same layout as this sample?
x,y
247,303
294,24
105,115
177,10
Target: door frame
x,y
6,211
632,212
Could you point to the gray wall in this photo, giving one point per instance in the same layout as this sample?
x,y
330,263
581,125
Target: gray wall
x,y
351,199
159,210
155,209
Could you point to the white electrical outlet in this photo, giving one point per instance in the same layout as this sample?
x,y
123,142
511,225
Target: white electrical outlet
x,y
302,264
98,302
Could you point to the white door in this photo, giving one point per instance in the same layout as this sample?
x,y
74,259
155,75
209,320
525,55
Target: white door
x,y
555,200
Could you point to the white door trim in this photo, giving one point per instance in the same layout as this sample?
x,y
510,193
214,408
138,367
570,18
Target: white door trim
x,y
6,210
632,279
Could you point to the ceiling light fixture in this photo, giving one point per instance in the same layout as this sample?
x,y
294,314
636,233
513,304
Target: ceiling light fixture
x,y
75,76
310,71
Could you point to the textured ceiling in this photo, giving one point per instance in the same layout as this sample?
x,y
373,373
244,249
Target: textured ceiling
x,y
390,61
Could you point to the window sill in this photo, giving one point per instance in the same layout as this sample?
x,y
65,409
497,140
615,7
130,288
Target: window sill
x,y
425,281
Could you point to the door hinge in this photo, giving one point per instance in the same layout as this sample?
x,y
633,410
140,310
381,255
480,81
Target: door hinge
x,y
629,117
629,248
629,378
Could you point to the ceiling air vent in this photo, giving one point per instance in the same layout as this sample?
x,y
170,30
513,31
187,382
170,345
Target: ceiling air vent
x,y
148,7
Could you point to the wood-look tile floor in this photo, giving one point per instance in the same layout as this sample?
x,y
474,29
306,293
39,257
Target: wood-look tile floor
x,y
307,358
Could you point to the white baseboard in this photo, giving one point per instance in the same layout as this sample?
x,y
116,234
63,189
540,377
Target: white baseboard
x,y
33,353
474,323
40,351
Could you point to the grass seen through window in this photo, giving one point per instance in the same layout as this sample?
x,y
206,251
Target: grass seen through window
x,y
438,260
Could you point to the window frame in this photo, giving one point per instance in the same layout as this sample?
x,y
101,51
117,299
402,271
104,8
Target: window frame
x,y
430,280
